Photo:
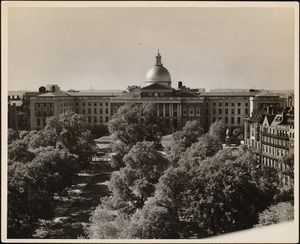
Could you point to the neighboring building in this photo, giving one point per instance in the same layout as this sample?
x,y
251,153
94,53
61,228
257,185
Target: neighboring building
x,y
174,106
94,106
14,107
270,131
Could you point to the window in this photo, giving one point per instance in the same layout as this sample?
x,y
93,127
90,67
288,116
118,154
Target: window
x,y
83,104
101,111
89,110
232,104
214,104
220,104
206,111
44,122
246,111
239,120
101,119
220,111
167,111
89,119
239,111
214,119
226,120
226,104
106,110
161,94
214,111
76,103
95,104
239,104
38,122
95,119
106,119
150,94
50,112
51,105
226,110
232,111
95,110
45,105
39,105
246,104
232,120
89,104
100,104
83,111
106,104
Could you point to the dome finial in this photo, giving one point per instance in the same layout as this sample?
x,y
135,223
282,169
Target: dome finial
x,y
158,59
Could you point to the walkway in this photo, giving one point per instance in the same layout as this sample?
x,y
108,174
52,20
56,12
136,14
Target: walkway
x,y
73,211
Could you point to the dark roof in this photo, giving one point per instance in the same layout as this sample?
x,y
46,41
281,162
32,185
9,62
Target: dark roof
x,y
92,94
270,118
267,94
185,93
216,94
54,94
133,94
157,86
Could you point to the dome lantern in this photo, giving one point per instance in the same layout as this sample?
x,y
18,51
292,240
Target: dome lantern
x,y
158,74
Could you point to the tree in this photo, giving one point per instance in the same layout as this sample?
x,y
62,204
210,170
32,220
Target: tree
x,y
18,151
153,222
134,183
12,135
217,130
99,131
207,146
280,212
182,140
226,192
107,224
29,198
238,134
131,124
41,164
32,185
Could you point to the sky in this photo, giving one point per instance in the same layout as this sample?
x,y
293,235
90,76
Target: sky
x,y
112,48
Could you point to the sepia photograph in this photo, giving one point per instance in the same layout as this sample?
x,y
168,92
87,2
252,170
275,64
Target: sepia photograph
x,y
141,121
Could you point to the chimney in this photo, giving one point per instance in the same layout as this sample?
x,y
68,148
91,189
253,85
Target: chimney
x,y
179,84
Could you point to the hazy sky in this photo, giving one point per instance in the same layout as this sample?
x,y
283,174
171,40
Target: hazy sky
x,y
111,48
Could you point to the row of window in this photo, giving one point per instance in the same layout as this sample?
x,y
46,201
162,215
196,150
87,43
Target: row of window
x,y
274,151
89,111
95,119
44,105
273,163
275,141
226,121
92,104
48,112
41,122
226,111
227,104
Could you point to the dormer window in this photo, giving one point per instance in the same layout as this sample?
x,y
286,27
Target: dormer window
x,y
150,94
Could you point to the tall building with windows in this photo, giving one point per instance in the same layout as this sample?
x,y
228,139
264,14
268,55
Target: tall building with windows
x,y
175,106
94,106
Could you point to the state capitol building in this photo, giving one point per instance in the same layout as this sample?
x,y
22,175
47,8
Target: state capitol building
x,y
175,106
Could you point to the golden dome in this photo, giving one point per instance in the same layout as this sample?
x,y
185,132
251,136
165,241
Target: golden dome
x,y
158,73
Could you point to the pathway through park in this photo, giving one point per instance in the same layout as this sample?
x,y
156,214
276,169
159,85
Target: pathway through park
x,y
73,211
